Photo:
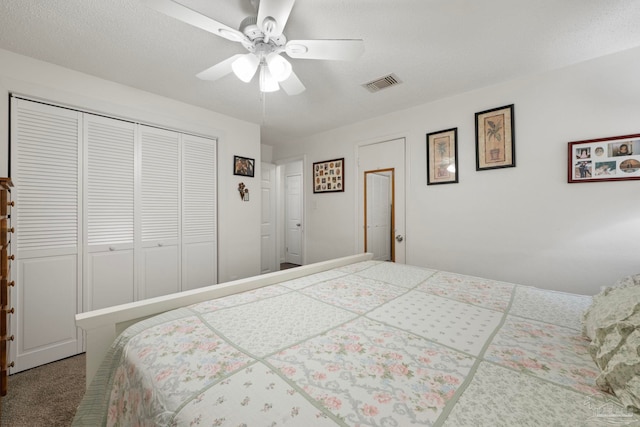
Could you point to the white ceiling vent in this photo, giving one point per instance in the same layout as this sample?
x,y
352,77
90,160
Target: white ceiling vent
x,y
382,83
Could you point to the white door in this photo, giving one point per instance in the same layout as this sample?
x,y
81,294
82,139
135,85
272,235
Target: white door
x,y
268,219
199,233
293,218
45,171
159,212
109,268
385,155
378,214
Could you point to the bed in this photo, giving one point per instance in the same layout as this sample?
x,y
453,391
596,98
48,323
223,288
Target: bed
x,y
350,342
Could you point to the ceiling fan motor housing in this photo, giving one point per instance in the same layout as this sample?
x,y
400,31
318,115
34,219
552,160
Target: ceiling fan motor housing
x,y
249,27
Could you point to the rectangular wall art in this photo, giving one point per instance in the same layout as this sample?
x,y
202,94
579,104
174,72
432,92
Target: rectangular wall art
x,y
328,176
495,138
442,157
605,159
243,166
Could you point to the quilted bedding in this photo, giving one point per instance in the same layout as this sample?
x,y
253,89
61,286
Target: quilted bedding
x,y
369,344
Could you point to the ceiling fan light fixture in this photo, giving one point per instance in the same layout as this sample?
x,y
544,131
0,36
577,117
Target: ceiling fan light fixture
x,y
279,67
245,67
267,82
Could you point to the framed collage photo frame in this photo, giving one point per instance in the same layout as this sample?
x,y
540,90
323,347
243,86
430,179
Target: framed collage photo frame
x,y
442,157
495,138
328,176
243,166
605,159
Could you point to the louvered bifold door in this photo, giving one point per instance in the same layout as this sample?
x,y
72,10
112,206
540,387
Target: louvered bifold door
x,y
109,212
45,171
199,234
160,212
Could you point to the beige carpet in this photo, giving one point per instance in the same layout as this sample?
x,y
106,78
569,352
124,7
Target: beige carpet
x,y
45,396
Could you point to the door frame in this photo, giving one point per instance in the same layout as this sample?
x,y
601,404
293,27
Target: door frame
x,y
359,199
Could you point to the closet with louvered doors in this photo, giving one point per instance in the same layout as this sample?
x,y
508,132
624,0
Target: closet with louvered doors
x,y
46,173
113,212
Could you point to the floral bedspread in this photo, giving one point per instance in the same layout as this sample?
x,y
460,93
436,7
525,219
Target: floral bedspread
x,y
369,344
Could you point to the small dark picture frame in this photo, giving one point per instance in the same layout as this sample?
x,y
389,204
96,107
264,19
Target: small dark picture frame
x,y
243,166
442,157
495,138
605,159
328,176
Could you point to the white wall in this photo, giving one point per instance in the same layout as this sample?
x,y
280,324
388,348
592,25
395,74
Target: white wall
x,y
524,224
238,222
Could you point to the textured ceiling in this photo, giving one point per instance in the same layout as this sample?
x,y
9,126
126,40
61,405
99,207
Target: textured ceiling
x,y
438,48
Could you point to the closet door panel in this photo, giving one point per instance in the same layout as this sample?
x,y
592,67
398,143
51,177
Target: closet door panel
x,y
111,276
45,168
109,212
199,240
160,211
197,266
161,270
45,163
46,323
109,181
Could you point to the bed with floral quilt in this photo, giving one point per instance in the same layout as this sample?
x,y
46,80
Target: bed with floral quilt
x,y
367,344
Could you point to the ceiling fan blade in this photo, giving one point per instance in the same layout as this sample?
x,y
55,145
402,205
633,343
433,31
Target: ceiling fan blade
x,y
219,70
292,85
325,49
279,11
191,17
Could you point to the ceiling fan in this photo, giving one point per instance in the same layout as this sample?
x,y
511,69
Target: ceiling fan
x,y
263,37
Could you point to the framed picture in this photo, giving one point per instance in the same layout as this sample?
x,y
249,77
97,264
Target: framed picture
x,y
495,138
328,176
442,157
605,159
243,166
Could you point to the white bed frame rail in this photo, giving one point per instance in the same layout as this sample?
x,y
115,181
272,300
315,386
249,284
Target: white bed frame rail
x,y
104,325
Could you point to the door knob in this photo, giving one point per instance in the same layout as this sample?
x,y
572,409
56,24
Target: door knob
x,y
298,225
399,238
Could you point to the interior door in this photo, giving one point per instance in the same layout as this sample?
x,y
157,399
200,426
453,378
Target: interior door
x,y
109,194
378,218
268,219
45,144
379,156
159,272
199,221
293,218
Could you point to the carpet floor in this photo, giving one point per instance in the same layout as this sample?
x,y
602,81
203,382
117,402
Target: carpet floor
x,y
46,396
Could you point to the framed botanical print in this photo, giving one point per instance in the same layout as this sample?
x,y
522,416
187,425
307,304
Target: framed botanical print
x,y
495,138
442,157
